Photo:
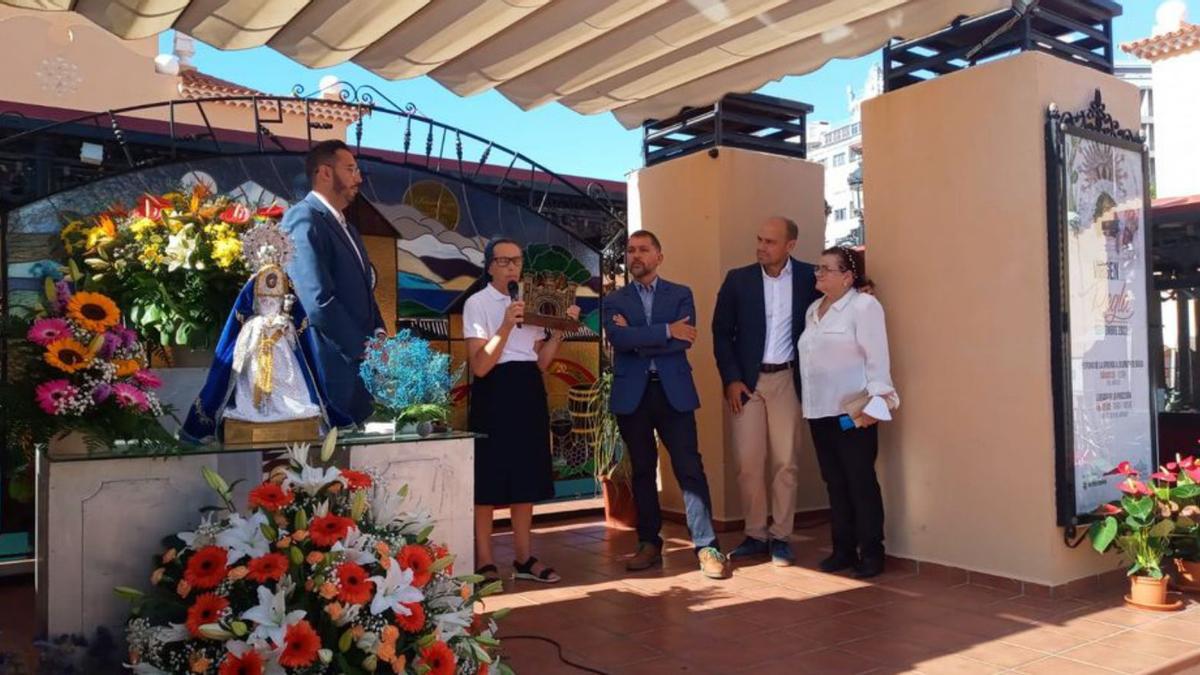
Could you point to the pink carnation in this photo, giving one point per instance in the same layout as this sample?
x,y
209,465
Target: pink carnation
x,y
129,396
46,331
51,395
147,380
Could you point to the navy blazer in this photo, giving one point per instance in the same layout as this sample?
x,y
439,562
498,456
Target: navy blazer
x,y
635,345
739,322
337,292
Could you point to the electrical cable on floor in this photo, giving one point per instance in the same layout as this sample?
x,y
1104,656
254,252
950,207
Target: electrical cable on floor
x,y
506,638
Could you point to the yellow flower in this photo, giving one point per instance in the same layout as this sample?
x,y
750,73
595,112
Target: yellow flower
x,y
68,355
96,236
141,226
226,251
93,311
127,367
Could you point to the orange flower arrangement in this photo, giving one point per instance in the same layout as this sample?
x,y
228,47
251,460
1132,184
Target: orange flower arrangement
x,y
328,530
439,659
300,645
415,621
206,569
206,609
68,355
416,558
93,311
270,567
270,497
356,587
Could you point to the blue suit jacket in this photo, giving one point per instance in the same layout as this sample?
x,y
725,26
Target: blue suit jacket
x,y
635,345
337,292
739,322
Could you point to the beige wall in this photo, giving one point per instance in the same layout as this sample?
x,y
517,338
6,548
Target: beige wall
x,y
955,200
707,211
63,60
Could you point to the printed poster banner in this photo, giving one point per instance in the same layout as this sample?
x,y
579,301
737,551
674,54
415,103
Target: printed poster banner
x,y
1112,409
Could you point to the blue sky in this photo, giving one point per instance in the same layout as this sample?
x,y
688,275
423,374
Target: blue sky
x,y
558,138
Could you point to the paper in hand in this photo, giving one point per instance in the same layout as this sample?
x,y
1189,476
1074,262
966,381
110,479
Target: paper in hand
x,y
878,409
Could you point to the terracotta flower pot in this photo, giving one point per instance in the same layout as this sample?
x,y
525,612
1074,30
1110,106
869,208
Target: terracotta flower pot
x,y
1150,593
1188,575
619,510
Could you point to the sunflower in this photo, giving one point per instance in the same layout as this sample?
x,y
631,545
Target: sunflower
x,y
93,311
68,355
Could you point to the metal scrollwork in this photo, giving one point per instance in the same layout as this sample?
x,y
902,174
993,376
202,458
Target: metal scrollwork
x,y
1096,118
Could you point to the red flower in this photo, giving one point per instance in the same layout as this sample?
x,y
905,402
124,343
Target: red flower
x,y
250,663
1188,462
1124,468
270,496
1163,476
300,646
356,587
416,558
1134,487
413,623
328,530
206,569
356,480
1108,510
207,609
1194,474
439,552
270,567
236,214
151,207
439,658
275,212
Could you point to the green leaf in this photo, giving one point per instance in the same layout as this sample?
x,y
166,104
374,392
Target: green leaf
x,y
441,564
1139,507
346,641
300,521
487,640
427,639
1163,528
492,588
1102,533
127,593
470,578
503,669
403,491
1186,491
51,292
268,531
499,614
480,652
297,556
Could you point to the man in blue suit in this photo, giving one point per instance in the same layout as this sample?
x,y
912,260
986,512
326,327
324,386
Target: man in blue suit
x,y
757,320
651,323
334,281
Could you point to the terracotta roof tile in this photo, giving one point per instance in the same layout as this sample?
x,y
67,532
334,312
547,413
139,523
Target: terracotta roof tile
x,y
1187,36
195,84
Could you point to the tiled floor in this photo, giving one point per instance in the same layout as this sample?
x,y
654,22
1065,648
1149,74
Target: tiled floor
x,y
798,620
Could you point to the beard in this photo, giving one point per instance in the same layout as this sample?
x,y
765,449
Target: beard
x,y
344,189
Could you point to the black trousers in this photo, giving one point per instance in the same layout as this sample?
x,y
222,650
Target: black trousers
x,y
847,460
678,433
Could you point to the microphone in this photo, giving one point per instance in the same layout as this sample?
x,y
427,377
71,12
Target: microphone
x,y
514,292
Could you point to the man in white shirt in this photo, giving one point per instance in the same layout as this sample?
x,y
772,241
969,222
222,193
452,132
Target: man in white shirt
x,y
758,318
334,281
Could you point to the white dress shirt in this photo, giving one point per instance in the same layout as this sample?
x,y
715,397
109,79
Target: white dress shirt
x,y
843,355
341,218
482,315
777,296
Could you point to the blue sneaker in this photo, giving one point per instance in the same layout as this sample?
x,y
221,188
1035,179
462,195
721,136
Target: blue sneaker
x,y
750,548
781,553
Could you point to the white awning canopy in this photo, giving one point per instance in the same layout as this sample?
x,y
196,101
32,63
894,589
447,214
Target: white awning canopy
x,y
639,59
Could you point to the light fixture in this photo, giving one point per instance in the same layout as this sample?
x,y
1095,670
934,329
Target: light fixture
x,y
91,153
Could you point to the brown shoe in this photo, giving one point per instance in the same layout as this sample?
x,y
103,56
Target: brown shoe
x,y
713,563
647,556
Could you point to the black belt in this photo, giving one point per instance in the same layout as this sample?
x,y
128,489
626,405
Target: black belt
x,y
774,367
654,377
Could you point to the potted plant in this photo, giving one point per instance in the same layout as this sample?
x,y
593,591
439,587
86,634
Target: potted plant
x,y
410,381
610,462
1140,525
1185,540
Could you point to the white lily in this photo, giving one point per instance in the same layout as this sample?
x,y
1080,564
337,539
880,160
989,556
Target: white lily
x,y
303,476
175,632
394,589
349,616
244,537
271,616
204,534
180,248
452,624
356,548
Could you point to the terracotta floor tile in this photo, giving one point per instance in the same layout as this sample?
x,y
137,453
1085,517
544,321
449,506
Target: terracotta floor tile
x,y
1123,616
1173,628
834,662
1113,658
955,665
661,666
613,655
1083,627
1148,643
1045,639
830,632
1001,654
1055,665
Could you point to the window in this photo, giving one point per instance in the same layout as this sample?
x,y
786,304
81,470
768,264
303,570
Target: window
x,y
839,214
855,129
839,159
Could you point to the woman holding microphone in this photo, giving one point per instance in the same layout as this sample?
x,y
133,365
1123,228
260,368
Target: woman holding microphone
x,y
508,405
843,354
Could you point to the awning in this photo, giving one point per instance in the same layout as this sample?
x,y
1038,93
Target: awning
x,y
639,59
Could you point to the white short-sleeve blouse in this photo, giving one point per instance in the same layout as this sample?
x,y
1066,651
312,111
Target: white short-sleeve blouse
x,y
482,315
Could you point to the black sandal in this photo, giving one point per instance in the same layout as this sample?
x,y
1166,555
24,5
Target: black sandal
x,y
525,571
489,573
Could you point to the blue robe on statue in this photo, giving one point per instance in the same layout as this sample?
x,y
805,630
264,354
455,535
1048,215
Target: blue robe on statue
x,y
204,417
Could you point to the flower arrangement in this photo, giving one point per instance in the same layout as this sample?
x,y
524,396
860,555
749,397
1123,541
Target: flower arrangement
x,y
174,260
325,574
79,370
409,379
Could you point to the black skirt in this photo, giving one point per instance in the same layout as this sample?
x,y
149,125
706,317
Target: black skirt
x,y
512,464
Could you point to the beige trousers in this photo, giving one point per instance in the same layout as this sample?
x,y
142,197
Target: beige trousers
x,y
764,442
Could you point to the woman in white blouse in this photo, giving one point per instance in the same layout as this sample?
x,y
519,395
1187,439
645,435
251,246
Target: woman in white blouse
x,y
508,406
843,355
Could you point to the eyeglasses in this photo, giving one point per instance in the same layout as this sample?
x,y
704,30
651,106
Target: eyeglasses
x,y
825,269
505,261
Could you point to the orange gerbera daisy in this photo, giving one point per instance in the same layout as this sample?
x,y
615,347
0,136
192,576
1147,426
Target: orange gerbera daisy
x,y
207,609
93,311
416,558
356,587
270,567
270,497
300,646
356,480
249,663
68,355
206,569
439,658
328,530
414,622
